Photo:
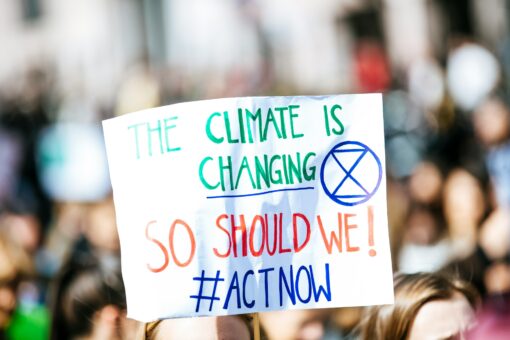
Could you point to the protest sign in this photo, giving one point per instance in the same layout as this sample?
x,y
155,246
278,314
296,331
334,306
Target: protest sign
x,y
243,205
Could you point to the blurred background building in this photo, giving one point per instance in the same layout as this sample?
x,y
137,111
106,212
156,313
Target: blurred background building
x,y
443,66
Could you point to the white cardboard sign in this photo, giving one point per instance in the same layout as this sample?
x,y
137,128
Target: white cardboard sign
x,y
243,205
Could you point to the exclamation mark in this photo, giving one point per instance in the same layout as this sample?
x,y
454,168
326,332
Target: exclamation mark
x,y
372,251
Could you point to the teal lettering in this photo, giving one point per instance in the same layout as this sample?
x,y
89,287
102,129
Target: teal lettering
x,y
135,126
208,131
168,127
292,116
201,174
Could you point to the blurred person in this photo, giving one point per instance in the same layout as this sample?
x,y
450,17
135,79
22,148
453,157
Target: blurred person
x,y
343,322
451,141
140,89
299,324
23,115
494,236
30,319
24,228
497,278
10,158
425,247
78,223
231,327
493,245
464,207
15,263
88,299
493,319
427,306
425,183
398,208
425,242
65,229
491,121
100,227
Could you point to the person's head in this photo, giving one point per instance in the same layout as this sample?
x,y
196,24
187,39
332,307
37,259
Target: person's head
x,y
24,229
425,183
100,227
491,122
299,324
494,236
88,300
427,306
463,204
234,327
424,226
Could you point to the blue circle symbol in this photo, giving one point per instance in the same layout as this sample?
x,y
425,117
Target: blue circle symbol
x,y
351,173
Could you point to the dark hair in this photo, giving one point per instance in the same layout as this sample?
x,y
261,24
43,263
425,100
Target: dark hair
x,y
412,291
85,285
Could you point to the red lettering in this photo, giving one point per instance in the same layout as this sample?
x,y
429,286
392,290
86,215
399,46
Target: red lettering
x,y
244,233
275,234
334,238
160,246
242,229
252,232
215,250
347,227
281,250
298,248
192,240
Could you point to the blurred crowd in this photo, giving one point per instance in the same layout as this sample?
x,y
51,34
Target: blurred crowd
x,y
447,128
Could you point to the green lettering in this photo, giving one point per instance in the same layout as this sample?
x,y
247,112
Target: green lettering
x,y
227,167
168,127
201,174
337,120
295,169
292,116
278,173
241,124
208,131
281,110
326,120
285,169
270,118
253,117
151,130
309,175
244,165
135,126
229,131
261,172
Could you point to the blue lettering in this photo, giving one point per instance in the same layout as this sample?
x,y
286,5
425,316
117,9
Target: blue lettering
x,y
317,292
266,288
246,303
234,284
288,287
298,276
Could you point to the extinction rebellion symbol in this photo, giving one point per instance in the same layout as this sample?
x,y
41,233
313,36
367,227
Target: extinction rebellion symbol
x,y
351,173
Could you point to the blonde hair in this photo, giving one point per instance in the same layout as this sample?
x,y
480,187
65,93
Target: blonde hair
x,y
412,291
149,330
